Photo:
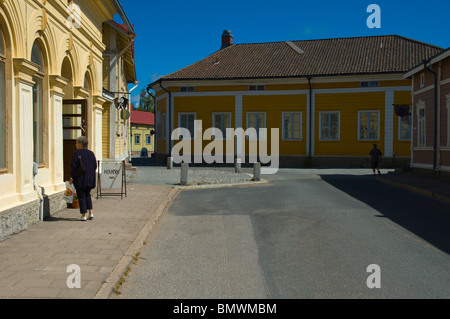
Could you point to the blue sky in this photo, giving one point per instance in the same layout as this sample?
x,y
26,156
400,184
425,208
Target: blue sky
x,y
174,34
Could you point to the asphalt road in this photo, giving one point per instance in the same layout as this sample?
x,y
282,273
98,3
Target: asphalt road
x,y
306,234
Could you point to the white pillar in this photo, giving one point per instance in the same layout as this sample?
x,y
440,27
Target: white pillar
x,y
389,124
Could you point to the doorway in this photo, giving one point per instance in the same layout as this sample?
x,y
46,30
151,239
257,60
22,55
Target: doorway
x,y
74,125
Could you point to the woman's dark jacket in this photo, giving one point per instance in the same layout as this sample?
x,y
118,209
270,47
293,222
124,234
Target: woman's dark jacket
x,y
88,179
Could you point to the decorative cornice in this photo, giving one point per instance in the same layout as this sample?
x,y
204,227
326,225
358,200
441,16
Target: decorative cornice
x,y
24,70
99,101
80,92
57,84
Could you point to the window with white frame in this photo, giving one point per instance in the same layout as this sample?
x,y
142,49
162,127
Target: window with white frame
x,y
38,105
369,125
187,121
292,126
222,121
370,84
329,125
256,120
422,80
421,126
148,139
187,89
3,112
404,131
137,139
256,88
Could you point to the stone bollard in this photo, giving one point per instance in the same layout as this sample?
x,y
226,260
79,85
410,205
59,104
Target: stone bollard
x,y
237,165
184,174
256,172
169,162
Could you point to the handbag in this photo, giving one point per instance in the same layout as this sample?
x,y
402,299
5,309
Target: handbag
x,y
81,168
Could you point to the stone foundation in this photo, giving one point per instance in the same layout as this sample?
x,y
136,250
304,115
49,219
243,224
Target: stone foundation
x,y
17,219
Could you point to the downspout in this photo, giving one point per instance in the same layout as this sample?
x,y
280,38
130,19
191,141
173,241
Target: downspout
x,y
128,122
435,146
169,136
155,147
39,192
310,120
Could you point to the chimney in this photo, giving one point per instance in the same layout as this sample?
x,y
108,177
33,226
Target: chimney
x,y
227,39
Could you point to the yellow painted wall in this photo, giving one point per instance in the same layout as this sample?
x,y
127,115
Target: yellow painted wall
x,y
161,108
274,106
348,104
105,132
143,130
204,107
223,88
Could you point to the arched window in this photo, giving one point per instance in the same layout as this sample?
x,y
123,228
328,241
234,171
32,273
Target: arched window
x,y
3,130
86,81
38,105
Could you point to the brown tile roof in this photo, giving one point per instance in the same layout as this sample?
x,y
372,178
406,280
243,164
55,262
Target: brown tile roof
x,y
328,57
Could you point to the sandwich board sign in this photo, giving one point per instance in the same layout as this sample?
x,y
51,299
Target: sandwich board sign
x,y
111,176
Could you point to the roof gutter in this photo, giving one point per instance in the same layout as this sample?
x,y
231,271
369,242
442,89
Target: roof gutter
x,y
122,15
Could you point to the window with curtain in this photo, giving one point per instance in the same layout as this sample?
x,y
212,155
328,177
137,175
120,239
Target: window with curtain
x,y
187,120
421,134
38,106
257,120
2,103
222,121
405,128
329,126
292,126
369,125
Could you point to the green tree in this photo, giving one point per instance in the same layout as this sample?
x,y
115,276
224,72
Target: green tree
x,y
145,102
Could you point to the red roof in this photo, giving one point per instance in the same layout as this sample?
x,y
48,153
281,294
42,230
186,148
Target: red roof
x,y
139,117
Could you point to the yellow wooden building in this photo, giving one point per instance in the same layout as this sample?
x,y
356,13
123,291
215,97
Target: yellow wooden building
x,y
52,91
142,132
330,99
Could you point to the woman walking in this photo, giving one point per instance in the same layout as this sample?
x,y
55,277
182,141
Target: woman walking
x,y
83,167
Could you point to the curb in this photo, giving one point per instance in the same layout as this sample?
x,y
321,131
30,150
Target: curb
x,y
414,189
189,187
115,276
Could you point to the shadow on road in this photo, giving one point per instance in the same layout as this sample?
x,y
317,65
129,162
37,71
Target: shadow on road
x,y
426,217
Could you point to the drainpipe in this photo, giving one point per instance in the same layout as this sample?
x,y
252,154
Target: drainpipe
x,y
39,192
435,146
169,115
129,122
310,119
155,147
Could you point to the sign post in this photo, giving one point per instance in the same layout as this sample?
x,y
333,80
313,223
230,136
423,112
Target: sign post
x,y
111,176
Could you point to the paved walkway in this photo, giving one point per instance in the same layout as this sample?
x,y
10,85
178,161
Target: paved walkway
x,y
430,186
34,263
